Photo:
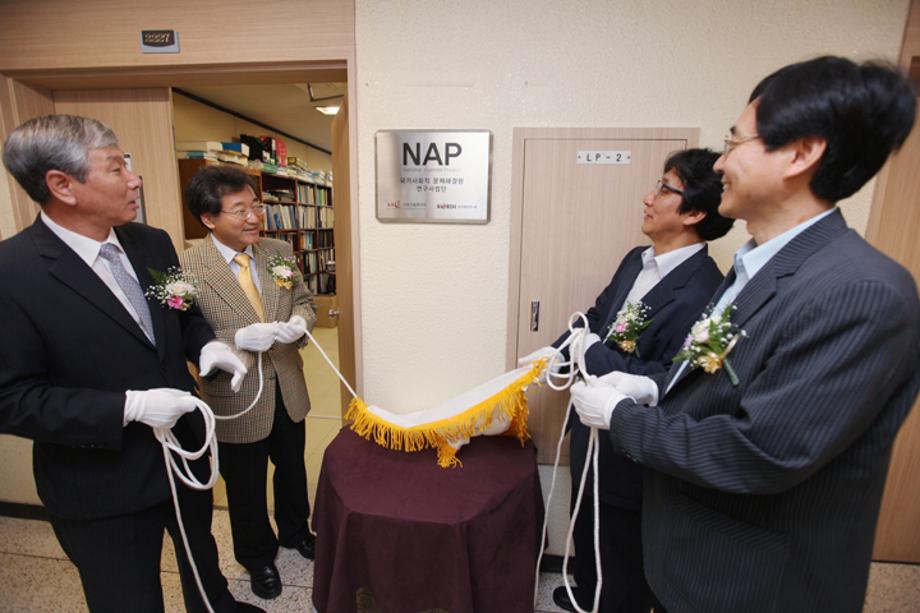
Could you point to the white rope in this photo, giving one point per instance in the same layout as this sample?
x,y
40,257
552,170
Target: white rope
x,y
331,365
171,445
575,366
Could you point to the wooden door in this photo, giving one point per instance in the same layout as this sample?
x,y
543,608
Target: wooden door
x,y
344,267
573,223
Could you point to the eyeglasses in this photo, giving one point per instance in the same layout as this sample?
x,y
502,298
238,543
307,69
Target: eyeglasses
x,y
731,142
664,188
242,214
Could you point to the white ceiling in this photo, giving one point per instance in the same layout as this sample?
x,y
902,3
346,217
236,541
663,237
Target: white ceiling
x,y
286,108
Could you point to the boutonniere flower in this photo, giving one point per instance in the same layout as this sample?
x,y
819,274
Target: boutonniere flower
x,y
173,288
710,341
629,324
282,270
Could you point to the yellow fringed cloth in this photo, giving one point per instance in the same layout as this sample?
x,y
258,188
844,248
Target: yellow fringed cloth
x,y
496,407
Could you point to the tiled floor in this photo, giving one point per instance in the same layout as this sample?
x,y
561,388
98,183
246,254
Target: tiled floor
x,y
36,576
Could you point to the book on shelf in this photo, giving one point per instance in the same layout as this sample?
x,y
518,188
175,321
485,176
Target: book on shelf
x,y
282,194
326,217
241,148
197,155
199,145
232,157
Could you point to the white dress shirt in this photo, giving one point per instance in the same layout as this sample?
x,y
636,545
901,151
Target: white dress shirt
x,y
656,267
228,253
87,249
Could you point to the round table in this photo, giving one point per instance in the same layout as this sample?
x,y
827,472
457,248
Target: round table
x,y
397,533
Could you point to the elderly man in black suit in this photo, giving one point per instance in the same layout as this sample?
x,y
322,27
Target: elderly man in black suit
x,y
768,449
88,366
672,280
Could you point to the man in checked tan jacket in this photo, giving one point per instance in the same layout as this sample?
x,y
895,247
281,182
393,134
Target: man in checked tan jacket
x,y
259,308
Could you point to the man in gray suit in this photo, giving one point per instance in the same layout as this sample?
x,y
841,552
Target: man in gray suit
x,y
768,467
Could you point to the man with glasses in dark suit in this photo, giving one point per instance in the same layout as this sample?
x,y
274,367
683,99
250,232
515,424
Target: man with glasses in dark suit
x,y
670,282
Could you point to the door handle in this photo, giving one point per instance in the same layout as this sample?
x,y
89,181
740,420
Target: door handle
x,y
534,315
333,312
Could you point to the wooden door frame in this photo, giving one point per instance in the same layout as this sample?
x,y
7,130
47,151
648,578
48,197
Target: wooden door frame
x,y
890,546
228,74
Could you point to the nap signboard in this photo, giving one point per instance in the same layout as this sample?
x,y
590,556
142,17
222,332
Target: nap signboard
x,y
433,176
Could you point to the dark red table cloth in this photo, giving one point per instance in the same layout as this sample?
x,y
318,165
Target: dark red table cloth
x,y
420,537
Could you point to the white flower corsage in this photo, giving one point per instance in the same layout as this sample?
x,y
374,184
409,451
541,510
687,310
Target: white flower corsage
x,y
710,341
173,288
629,324
282,270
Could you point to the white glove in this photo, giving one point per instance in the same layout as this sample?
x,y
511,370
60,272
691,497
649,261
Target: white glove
x,y
642,389
291,330
595,404
217,355
158,408
255,337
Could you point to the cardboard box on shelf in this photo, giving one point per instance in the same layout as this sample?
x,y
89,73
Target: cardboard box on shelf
x,y
324,304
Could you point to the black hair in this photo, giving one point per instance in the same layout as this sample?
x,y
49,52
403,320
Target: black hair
x,y
702,190
863,112
210,184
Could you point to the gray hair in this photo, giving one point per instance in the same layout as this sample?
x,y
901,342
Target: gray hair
x,y
53,142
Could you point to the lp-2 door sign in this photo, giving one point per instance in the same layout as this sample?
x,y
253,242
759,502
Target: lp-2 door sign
x,y
603,157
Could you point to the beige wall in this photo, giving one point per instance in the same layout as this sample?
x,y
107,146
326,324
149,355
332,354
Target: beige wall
x,y
435,296
196,121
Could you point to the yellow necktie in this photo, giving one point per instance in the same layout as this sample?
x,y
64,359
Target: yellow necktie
x,y
249,288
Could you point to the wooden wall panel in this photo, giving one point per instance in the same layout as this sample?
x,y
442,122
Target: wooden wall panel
x,y
92,34
18,103
142,119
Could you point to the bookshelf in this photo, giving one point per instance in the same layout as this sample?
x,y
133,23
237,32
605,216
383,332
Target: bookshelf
x,y
296,210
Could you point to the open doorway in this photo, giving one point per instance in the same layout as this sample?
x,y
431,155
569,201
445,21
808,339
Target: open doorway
x,y
283,136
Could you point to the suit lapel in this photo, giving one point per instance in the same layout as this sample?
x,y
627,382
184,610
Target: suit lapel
x,y
663,292
140,261
631,269
224,283
270,289
67,267
763,286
